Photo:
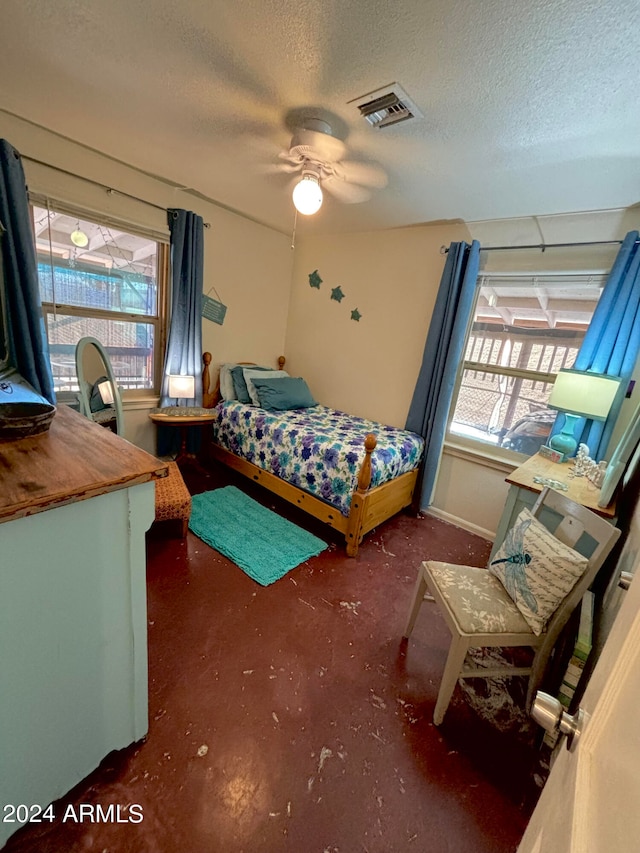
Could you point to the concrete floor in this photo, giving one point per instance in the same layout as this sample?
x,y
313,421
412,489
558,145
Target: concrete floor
x,y
293,718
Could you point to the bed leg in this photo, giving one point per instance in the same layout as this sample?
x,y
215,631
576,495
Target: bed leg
x,y
353,535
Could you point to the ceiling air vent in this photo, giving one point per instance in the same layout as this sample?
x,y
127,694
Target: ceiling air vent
x,y
386,106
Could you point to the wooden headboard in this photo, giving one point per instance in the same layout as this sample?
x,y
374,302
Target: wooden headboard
x,y
211,393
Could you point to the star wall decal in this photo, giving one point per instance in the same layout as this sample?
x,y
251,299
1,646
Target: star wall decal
x,y
337,294
355,315
314,279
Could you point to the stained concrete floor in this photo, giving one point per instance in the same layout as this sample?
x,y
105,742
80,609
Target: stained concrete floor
x,y
293,718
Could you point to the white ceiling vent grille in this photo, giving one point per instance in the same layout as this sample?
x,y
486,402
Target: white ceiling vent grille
x,y
387,106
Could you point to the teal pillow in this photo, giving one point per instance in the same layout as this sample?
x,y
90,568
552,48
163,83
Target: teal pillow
x,y
277,395
239,383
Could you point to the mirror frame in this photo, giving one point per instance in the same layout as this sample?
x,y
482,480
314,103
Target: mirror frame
x,y
85,386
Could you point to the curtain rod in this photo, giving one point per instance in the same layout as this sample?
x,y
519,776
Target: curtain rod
x,y
541,246
109,190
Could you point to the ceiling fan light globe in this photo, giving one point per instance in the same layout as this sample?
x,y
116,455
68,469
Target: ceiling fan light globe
x,y
307,196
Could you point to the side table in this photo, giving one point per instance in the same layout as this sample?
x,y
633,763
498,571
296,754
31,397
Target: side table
x,y
182,418
524,491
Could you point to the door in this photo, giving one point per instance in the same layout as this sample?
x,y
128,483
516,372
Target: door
x,y
591,802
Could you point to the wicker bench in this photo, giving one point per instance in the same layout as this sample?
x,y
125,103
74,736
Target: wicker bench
x,y
173,501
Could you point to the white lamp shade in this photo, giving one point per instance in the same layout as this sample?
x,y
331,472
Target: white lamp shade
x,y
105,389
182,387
307,195
588,395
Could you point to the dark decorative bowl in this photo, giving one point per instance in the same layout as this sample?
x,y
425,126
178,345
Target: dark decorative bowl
x,y
20,420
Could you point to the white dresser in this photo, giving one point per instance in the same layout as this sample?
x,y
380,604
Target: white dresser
x,y
75,503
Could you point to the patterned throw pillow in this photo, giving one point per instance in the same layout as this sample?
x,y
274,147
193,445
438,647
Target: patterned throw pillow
x,y
536,569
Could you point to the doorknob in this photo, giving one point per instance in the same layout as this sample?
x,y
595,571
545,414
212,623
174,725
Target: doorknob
x,y
549,713
625,580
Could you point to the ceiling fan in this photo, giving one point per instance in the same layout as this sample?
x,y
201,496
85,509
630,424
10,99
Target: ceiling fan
x,y
318,156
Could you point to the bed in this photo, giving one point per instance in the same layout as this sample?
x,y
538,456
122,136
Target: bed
x,y
348,472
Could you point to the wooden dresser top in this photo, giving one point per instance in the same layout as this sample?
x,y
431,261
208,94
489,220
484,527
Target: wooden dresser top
x,y
74,460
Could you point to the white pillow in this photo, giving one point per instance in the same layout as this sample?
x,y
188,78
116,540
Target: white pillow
x,y
227,391
263,374
536,569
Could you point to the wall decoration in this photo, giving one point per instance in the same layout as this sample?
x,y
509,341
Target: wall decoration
x,y
213,310
314,279
337,293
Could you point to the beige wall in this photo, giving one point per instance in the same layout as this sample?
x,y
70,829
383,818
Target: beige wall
x,y
369,367
248,264
470,492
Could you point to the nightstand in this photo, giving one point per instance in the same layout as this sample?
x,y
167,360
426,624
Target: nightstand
x,y
182,417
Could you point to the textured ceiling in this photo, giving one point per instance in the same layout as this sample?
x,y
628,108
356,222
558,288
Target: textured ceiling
x,y
530,108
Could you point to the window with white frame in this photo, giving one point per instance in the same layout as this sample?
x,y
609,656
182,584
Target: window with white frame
x,y
105,281
525,328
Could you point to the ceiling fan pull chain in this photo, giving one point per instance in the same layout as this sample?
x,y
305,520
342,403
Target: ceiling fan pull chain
x,y
295,222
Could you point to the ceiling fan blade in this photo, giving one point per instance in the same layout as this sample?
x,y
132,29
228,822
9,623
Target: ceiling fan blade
x,y
365,174
289,167
291,156
275,168
318,146
343,191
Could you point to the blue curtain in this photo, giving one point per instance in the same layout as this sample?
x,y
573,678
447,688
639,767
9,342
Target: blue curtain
x,y
184,345
27,344
442,355
612,342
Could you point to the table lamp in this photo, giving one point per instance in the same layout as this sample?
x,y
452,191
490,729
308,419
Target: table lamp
x,y
105,389
580,394
183,387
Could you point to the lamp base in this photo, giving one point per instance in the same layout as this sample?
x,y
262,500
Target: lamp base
x,y
564,441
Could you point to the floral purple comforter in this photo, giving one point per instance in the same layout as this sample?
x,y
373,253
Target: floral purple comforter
x,y
317,449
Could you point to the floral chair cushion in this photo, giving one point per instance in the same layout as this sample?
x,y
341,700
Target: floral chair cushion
x,y
536,569
477,598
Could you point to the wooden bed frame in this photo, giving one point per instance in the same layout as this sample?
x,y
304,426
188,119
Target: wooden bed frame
x,y
369,507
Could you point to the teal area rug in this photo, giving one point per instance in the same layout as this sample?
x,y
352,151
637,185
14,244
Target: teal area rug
x,y
261,543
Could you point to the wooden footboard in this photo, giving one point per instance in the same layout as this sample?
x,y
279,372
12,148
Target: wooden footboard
x,y
369,507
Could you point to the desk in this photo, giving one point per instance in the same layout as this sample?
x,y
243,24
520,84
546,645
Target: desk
x,y
173,416
523,491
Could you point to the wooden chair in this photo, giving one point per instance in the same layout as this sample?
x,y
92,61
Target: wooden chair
x,y
474,602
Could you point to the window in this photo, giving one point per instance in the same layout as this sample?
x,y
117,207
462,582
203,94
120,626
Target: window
x,y
106,282
524,329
